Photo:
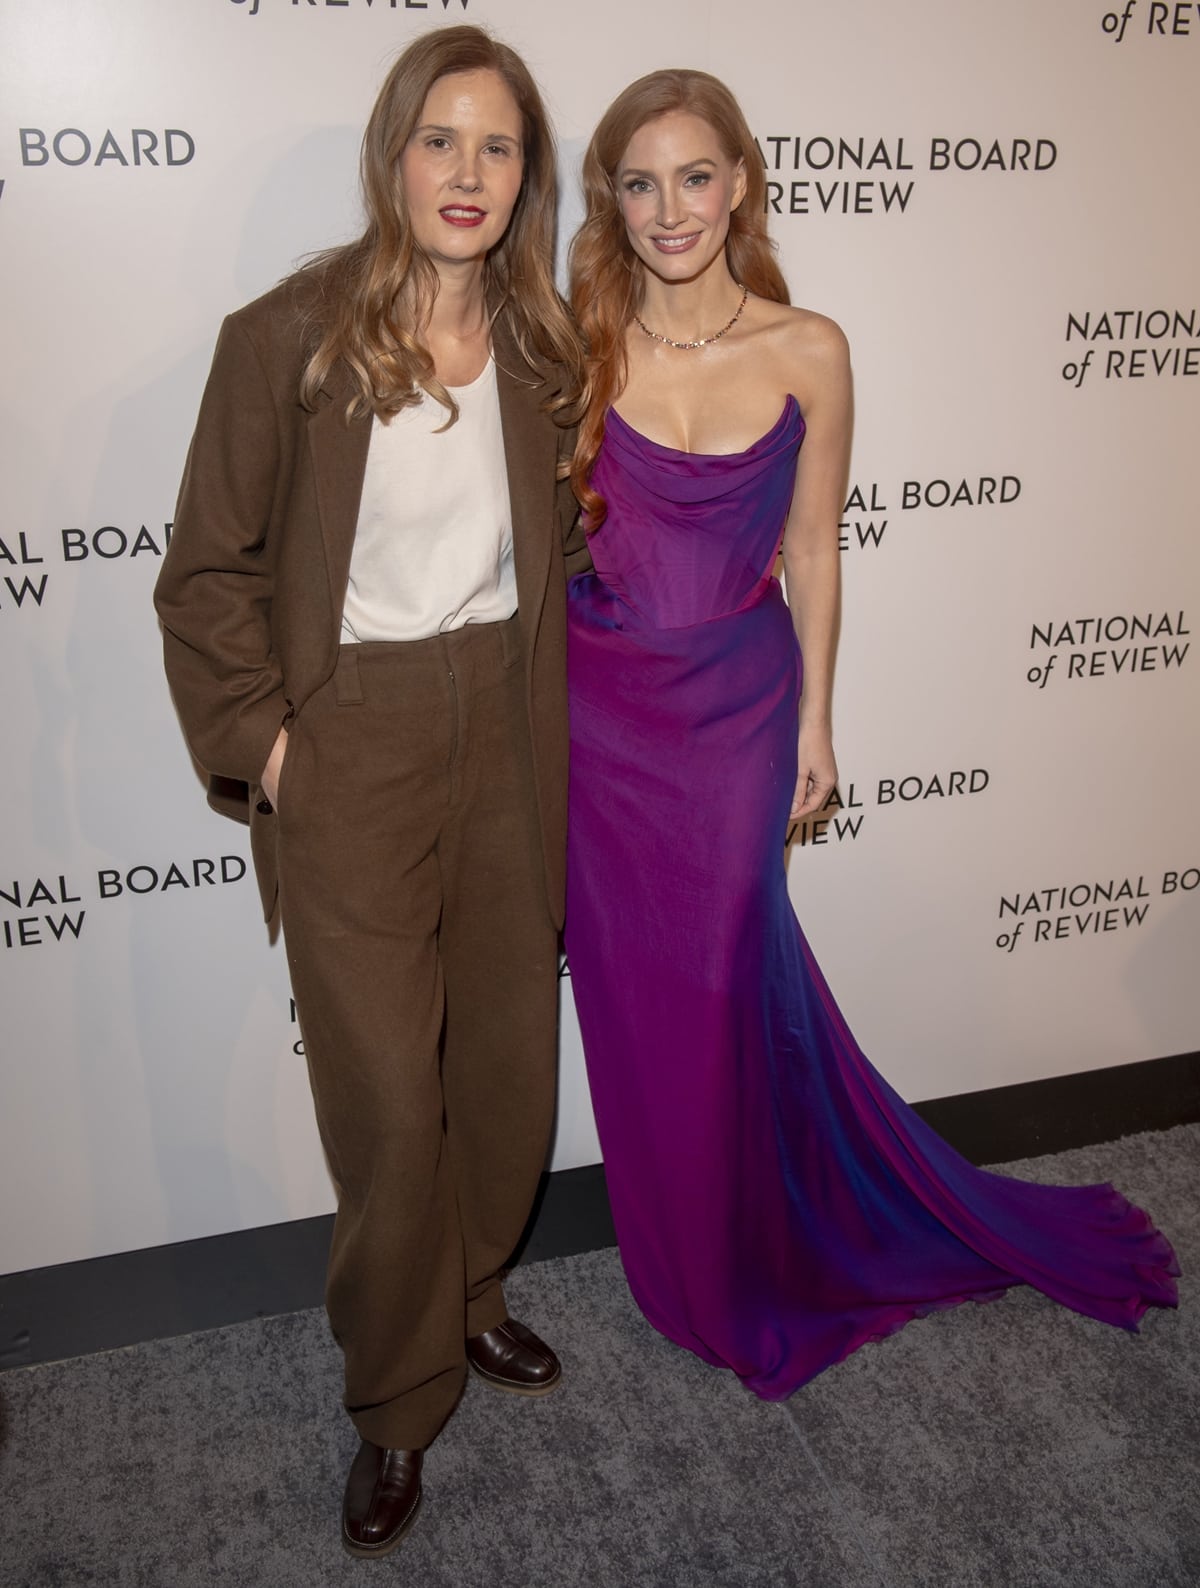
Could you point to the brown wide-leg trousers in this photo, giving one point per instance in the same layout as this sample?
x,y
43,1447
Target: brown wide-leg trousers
x,y
423,963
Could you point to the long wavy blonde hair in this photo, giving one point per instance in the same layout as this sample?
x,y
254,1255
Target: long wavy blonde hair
x,y
607,278
367,285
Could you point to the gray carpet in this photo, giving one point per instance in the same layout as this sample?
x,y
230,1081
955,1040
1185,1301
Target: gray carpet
x,y
987,1447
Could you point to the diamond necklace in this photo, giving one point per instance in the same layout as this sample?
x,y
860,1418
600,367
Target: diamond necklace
x,y
702,341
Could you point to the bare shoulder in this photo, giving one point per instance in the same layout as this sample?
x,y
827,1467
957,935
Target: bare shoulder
x,y
812,337
805,343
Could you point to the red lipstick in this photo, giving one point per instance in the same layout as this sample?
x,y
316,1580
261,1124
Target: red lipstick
x,y
463,214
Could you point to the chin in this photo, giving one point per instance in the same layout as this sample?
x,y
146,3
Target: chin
x,y
677,270
459,250
677,267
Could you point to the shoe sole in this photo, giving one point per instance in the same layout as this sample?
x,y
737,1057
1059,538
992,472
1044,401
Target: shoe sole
x,y
510,1388
374,1551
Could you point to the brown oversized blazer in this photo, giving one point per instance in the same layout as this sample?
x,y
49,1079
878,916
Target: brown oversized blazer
x,y
251,588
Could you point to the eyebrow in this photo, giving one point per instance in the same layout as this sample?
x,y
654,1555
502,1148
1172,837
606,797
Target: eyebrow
x,y
491,137
633,170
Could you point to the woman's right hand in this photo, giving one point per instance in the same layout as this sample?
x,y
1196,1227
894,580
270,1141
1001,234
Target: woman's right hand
x,y
270,772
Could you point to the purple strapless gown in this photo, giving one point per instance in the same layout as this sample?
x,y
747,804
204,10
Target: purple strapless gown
x,y
776,1203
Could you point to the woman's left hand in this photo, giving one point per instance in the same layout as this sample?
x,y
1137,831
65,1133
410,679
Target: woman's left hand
x,y
817,771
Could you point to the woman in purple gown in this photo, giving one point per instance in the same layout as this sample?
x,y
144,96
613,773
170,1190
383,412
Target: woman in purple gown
x,y
775,1202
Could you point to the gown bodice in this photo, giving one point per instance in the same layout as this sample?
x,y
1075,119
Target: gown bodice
x,y
691,536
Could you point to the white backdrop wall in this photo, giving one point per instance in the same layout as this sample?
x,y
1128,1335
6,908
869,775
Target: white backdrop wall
x,y
998,203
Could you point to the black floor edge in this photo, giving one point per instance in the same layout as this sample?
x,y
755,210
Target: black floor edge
x,y
74,1309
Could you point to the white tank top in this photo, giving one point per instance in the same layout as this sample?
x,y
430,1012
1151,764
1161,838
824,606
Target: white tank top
x,y
433,544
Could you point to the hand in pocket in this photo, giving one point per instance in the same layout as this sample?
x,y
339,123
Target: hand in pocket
x,y
270,772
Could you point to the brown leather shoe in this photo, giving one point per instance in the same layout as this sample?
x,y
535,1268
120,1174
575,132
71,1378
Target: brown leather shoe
x,y
383,1496
513,1358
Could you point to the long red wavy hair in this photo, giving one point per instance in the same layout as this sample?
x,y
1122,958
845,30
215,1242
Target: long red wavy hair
x,y
606,275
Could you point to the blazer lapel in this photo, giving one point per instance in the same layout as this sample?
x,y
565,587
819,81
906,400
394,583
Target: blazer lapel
x,y
339,461
531,455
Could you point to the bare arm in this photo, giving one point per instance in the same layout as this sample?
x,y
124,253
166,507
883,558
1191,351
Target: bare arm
x,y
811,558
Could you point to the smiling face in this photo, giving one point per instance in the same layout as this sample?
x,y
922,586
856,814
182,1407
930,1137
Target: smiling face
x,y
462,167
677,190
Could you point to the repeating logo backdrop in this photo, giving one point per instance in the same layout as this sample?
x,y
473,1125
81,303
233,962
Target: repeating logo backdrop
x,y
997,205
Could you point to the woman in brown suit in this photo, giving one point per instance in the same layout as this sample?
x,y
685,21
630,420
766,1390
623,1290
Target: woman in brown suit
x,y
362,608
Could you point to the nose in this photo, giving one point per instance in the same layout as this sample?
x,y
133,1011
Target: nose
x,y
668,216
467,177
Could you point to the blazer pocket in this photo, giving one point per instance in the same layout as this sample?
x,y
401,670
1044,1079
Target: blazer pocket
x,y
264,832
283,791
